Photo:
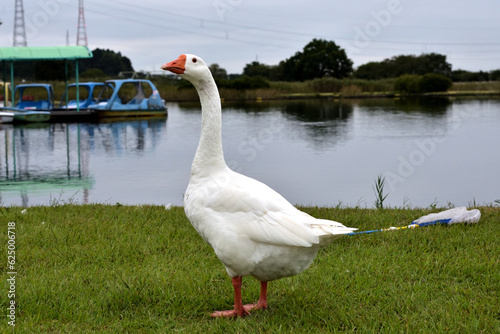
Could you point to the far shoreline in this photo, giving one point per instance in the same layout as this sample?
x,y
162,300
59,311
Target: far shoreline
x,y
339,96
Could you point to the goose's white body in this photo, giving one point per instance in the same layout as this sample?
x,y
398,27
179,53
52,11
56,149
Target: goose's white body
x,y
252,229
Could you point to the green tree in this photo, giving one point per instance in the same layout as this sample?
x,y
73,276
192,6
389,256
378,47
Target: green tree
x,y
318,59
218,72
480,76
50,70
405,64
93,73
435,63
373,71
108,61
495,75
463,76
270,72
244,82
256,69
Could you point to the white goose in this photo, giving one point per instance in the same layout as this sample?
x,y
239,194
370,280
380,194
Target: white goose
x,y
252,229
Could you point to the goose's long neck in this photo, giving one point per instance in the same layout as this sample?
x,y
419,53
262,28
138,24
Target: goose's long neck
x,y
209,155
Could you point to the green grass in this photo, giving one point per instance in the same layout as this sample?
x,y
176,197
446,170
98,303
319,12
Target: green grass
x,y
317,88
143,269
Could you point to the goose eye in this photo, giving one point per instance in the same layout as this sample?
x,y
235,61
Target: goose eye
x,y
195,60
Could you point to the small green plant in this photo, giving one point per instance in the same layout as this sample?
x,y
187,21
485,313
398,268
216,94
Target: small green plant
x,y
379,192
433,205
473,203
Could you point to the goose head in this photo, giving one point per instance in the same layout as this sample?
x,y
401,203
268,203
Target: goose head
x,y
189,67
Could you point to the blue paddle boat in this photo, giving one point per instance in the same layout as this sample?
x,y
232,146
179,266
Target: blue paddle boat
x,y
129,98
29,110
87,95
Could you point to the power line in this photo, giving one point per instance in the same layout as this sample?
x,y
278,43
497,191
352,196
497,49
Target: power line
x,y
252,28
225,36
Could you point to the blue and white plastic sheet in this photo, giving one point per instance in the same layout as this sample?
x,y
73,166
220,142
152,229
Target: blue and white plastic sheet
x,y
451,216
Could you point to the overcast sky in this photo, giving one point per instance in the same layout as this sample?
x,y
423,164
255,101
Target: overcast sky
x,y
233,33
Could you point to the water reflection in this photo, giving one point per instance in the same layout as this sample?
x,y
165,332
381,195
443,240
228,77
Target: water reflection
x,y
436,106
432,105
40,157
313,152
321,122
318,111
116,138
55,159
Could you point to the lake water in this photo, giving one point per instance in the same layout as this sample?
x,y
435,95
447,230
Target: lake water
x,y
313,152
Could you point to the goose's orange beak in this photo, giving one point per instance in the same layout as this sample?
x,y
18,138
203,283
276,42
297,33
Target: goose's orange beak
x,y
176,66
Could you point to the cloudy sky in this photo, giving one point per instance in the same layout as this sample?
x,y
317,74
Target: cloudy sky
x,y
233,33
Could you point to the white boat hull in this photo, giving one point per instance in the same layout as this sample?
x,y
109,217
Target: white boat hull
x,y
6,117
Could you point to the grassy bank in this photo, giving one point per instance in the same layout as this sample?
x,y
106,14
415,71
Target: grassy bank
x,y
326,88
143,269
318,88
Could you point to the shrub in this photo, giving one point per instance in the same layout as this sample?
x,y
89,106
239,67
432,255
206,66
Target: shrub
x,y
244,82
351,90
408,84
93,73
325,85
432,82
415,84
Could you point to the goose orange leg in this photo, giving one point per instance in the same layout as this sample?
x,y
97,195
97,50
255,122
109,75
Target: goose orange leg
x,y
241,310
262,303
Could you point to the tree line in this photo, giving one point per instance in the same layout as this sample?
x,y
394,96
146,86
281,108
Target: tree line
x,y
321,58
318,59
104,63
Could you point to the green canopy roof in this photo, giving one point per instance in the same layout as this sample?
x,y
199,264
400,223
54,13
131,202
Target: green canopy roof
x,y
45,53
